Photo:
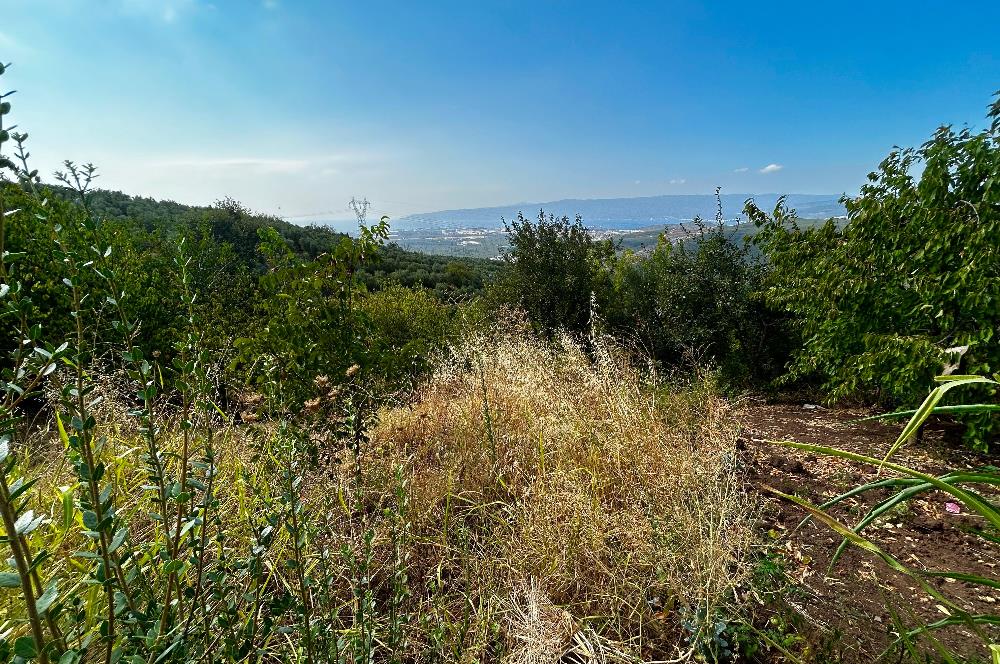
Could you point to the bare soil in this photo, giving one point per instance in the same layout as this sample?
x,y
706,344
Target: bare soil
x,y
845,611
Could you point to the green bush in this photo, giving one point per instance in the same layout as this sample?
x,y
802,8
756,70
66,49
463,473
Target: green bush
x,y
406,326
554,269
694,302
308,322
697,302
879,303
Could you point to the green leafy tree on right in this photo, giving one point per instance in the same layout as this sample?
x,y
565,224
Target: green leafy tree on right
x,y
909,286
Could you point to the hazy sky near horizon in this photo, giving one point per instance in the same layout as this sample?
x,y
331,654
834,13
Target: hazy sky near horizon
x,y
294,106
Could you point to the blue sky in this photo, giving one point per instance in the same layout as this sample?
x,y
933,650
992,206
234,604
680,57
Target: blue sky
x,y
295,106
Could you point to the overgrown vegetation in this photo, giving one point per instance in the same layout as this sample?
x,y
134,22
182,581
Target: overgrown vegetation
x,y
909,285
685,304
186,493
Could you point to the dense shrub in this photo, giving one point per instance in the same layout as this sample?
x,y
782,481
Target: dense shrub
x,y
554,269
231,224
307,318
915,272
407,327
697,302
449,278
693,302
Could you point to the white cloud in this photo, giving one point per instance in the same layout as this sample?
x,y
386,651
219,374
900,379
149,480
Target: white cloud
x,y
678,181
11,45
744,169
270,4
771,168
167,11
323,164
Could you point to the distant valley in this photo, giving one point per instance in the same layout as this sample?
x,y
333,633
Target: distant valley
x,y
635,221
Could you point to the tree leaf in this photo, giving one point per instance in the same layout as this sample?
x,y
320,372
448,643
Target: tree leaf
x,y
10,580
45,601
25,647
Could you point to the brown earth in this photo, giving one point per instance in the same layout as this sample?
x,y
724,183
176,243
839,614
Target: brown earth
x,y
845,611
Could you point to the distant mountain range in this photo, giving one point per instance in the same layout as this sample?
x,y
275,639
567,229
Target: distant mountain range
x,y
624,213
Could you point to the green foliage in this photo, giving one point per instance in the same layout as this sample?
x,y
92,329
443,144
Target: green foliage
x,y
178,559
229,220
914,273
693,302
232,225
554,265
308,323
450,278
697,301
31,240
406,327
232,264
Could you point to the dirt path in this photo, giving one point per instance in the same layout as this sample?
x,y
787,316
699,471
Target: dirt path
x,y
846,609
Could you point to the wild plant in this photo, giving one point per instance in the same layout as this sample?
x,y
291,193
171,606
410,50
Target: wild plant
x,y
163,573
907,484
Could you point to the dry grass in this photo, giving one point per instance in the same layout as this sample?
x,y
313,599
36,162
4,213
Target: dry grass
x,y
549,493
559,507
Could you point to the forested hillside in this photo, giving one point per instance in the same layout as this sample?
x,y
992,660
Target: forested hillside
x,y
231,223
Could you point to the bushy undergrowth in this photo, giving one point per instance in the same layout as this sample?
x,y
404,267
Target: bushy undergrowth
x,y
687,303
525,503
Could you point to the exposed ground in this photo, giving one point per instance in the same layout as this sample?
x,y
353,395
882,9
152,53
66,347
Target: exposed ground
x,y
847,609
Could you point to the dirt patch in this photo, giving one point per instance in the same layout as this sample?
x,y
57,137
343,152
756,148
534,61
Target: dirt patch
x,y
846,607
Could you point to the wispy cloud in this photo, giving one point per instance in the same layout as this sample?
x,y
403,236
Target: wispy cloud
x,y
167,11
678,181
323,164
270,4
771,168
744,169
262,165
12,45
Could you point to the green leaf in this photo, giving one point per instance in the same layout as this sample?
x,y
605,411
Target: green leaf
x,y
62,431
27,523
45,601
927,407
972,502
90,519
173,566
964,409
10,580
967,578
18,488
25,647
118,539
68,509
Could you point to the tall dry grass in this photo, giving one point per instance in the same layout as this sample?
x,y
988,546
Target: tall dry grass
x,y
555,502
528,501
